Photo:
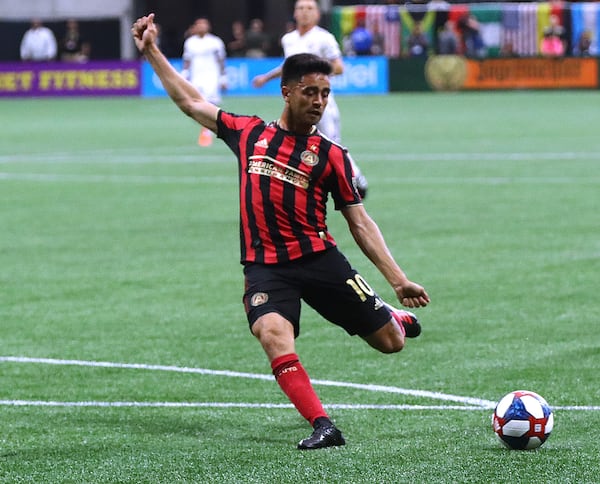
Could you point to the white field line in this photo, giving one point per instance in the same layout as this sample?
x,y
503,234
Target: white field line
x,y
477,402
467,402
232,180
125,156
133,179
332,406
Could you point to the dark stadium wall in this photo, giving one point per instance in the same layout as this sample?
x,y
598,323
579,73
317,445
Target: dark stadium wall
x,y
102,34
176,17
107,38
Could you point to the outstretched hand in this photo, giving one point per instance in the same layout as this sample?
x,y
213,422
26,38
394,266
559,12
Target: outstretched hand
x,y
144,32
259,81
412,295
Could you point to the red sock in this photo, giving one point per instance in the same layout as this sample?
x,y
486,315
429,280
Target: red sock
x,y
295,383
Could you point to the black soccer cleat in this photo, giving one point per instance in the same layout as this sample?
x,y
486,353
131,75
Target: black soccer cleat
x,y
410,323
325,434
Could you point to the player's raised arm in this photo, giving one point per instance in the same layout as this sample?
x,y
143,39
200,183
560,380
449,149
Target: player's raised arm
x,y
186,96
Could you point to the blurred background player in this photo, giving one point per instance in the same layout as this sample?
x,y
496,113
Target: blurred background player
x,y
204,66
309,38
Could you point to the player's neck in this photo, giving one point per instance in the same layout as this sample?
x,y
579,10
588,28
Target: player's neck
x,y
302,29
285,123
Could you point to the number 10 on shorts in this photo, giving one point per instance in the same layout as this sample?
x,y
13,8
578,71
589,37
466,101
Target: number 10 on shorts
x,y
360,287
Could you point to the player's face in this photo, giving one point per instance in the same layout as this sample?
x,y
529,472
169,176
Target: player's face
x,y
308,98
306,13
201,26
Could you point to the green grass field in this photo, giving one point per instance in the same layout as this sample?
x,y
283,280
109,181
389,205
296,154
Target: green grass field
x,y
125,355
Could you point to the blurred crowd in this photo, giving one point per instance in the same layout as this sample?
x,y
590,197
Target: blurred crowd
x,y
39,43
462,36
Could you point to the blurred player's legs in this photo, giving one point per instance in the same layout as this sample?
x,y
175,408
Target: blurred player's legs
x,y
205,138
330,126
211,92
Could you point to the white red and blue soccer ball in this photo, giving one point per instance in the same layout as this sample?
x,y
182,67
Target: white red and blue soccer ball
x,y
522,420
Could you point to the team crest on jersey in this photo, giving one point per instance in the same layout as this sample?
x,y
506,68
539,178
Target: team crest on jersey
x,y
309,158
259,298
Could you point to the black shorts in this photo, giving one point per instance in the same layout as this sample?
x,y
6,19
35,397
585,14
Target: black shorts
x,y
325,281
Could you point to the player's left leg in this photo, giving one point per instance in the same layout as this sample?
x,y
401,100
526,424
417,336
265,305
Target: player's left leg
x,y
406,320
387,339
342,296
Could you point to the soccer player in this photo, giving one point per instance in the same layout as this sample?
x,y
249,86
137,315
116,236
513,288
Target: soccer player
x,y
310,38
287,169
204,66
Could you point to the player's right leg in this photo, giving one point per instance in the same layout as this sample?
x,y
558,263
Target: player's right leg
x,y
276,335
271,294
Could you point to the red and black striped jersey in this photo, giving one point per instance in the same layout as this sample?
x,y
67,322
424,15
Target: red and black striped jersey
x,y
285,180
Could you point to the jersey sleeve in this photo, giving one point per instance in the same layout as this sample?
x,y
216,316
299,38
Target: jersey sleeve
x,y
221,50
343,189
331,49
186,51
233,129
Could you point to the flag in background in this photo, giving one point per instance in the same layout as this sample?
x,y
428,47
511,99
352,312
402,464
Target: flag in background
x,y
412,14
385,20
347,20
520,28
586,17
489,16
520,24
393,31
457,11
545,11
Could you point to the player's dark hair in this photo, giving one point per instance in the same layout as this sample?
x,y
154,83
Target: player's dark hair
x,y
296,66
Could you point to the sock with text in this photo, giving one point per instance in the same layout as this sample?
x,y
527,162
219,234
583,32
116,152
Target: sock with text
x,y
295,383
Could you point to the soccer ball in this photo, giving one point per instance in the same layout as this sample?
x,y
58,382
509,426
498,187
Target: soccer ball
x,y
522,420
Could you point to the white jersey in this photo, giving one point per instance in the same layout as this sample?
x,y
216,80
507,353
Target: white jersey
x,y
206,56
318,41
38,45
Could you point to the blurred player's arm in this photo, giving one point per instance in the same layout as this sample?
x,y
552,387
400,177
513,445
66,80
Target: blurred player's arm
x,y
183,94
337,65
367,235
259,81
262,79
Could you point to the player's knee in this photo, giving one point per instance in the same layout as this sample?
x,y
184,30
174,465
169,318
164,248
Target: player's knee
x,y
387,339
392,346
275,333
